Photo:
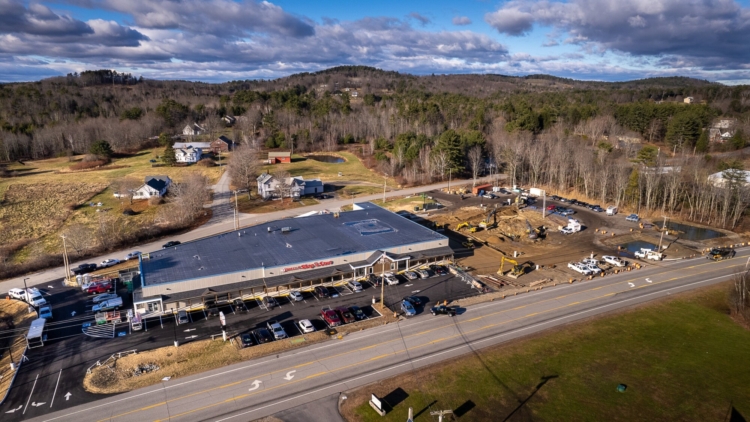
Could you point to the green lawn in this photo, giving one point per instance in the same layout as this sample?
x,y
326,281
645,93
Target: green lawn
x,y
351,170
684,359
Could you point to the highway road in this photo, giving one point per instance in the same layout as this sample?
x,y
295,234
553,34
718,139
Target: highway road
x,y
272,384
223,223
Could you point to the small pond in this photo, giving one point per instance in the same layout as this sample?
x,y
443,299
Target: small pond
x,y
686,231
331,159
630,247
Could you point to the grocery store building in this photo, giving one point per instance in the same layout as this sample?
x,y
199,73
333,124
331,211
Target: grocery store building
x,y
278,256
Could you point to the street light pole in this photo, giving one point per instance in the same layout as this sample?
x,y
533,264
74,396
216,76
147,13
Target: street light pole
x,y
663,228
385,179
66,263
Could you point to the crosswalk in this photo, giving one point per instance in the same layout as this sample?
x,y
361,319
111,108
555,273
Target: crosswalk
x,y
99,331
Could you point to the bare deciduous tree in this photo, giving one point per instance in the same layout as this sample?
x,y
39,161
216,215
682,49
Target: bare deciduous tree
x,y
476,162
187,198
79,237
244,166
283,187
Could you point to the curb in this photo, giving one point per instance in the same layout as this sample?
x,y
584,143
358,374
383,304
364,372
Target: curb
x,y
18,369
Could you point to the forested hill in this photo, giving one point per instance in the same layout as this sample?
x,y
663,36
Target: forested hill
x,y
347,104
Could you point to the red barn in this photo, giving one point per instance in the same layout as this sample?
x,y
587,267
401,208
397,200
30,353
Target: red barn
x,y
279,157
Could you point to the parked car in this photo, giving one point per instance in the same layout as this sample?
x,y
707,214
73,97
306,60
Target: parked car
x,y
565,200
407,308
592,207
423,273
346,316
578,267
567,230
413,300
108,305
590,261
276,329
182,317
170,244
296,296
551,207
246,340
489,196
132,255
567,211
269,302
99,288
305,326
411,275
108,263
45,312
330,317
593,268
103,297
262,336
597,209
611,210
390,279
443,310
354,286
613,260
321,292
239,305
212,310
357,312
633,218
83,269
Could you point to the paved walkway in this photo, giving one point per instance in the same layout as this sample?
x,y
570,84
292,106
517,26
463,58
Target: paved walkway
x,y
221,205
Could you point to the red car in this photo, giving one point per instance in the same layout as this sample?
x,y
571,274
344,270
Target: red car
x,y
330,317
99,288
551,207
345,315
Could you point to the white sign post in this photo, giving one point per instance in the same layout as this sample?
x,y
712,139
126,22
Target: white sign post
x,y
377,405
223,320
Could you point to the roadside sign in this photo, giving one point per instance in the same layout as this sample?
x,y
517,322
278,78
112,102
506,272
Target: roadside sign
x,y
223,319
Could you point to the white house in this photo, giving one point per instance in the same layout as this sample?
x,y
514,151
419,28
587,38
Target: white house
x,y
268,186
155,186
188,155
202,145
688,100
720,179
193,130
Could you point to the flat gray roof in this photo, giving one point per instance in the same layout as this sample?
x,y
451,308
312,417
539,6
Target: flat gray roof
x,y
310,239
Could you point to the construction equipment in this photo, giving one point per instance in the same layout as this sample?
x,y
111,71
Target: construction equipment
x,y
486,223
533,234
469,244
472,229
503,260
719,254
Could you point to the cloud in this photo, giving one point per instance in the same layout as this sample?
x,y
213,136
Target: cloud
x,y
37,20
424,20
711,33
461,20
511,20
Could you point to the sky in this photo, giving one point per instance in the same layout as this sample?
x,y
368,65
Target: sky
x,y
222,40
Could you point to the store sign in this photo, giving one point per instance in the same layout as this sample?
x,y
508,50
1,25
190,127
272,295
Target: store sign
x,y
309,266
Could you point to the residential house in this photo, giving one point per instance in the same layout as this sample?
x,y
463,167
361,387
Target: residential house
x,y
153,186
188,155
269,187
229,120
222,144
688,100
355,94
720,179
279,157
204,146
193,130
714,135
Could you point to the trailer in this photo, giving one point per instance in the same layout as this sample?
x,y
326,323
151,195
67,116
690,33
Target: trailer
x,y
36,337
486,187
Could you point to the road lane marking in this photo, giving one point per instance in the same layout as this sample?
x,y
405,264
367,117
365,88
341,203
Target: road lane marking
x,y
373,334
289,375
55,392
30,394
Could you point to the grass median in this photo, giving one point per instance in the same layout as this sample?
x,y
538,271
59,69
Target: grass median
x,y
14,315
680,359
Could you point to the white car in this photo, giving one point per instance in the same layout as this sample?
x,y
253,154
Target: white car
x,y
613,260
575,266
593,268
109,262
411,275
567,230
103,297
390,279
276,329
354,286
590,261
17,293
296,296
31,296
306,326
132,255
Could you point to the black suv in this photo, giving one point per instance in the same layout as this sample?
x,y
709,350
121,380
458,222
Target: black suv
x,y
170,244
262,335
83,269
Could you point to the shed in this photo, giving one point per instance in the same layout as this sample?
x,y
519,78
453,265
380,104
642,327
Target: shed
x,y
275,157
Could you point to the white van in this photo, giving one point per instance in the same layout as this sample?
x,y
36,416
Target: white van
x,y
611,210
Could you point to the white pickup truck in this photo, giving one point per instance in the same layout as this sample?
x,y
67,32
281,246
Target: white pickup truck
x,y
276,329
31,296
645,253
108,305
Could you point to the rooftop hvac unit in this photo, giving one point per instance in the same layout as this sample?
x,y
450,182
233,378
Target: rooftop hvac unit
x,y
286,229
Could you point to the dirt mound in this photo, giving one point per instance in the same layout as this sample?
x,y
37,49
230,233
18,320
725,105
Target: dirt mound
x,y
494,240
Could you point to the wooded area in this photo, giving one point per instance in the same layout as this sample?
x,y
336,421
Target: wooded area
x,y
641,143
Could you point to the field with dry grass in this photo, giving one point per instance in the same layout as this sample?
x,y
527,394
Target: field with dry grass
x,y
14,314
192,358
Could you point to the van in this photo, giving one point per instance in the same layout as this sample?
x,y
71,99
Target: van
x,y
108,305
182,317
611,210
354,286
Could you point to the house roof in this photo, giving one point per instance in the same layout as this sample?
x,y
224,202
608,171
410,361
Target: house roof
x,y
311,239
279,154
224,139
157,183
183,145
265,177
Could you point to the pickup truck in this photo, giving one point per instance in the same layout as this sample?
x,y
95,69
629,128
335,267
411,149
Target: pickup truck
x,y
108,305
443,310
330,317
649,254
32,296
276,329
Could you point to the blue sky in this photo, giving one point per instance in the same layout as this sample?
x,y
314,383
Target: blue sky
x,y
219,40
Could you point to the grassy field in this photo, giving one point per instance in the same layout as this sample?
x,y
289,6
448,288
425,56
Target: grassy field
x,y
351,170
406,204
258,206
683,359
45,197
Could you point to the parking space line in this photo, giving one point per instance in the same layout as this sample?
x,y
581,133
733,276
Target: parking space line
x,y
56,384
30,394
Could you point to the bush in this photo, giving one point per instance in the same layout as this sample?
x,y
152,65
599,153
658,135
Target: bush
x,y
83,165
155,200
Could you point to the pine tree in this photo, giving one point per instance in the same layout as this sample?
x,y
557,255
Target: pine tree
x,y
702,144
169,157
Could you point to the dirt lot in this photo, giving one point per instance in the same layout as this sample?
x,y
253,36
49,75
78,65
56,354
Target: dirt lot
x,y
119,375
14,314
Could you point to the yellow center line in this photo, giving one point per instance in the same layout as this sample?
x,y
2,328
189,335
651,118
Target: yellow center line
x,y
281,371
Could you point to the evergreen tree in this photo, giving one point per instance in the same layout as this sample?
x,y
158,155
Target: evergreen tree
x,y
738,139
702,144
101,149
169,157
450,143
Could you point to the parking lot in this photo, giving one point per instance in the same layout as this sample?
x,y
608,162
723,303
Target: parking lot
x,y
58,368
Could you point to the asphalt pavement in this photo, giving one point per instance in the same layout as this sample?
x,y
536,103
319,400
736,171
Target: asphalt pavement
x,y
224,224
273,384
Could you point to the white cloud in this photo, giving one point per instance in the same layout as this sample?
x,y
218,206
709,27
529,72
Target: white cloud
x,y
461,20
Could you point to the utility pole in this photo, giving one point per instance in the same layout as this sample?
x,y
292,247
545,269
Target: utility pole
x,y
66,263
382,282
385,179
236,213
449,180
441,413
663,229
544,203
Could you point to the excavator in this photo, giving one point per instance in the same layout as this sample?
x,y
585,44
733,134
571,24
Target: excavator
x,y
517,270
468,225
533,234
486,223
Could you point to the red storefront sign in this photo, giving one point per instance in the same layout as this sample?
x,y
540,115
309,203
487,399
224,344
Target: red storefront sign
x,y
309,266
